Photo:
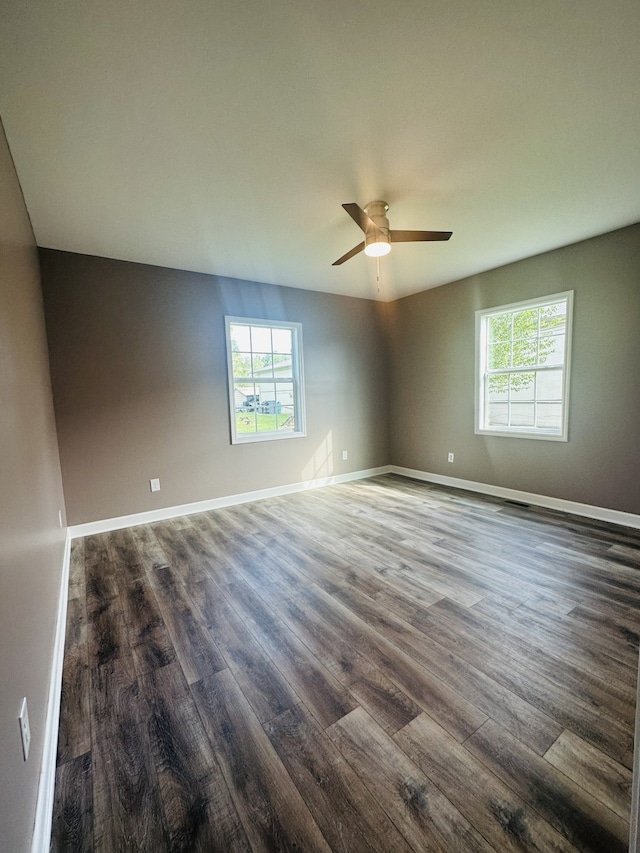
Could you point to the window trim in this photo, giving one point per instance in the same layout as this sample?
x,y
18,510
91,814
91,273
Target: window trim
x,y
480,355
297,366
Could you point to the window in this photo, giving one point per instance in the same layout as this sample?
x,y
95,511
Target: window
x,y
266,396
523,355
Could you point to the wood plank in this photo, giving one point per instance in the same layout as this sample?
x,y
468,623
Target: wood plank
x,y
323,693
126,803
147,635
523,678
77,584
123,552
262,683
617,623
367,684
179,557
604,778
150,554
597,686
194,646
522,719
114,695
426,818
588,661
501,816
72,827
585,821
343,808
101,585
74,732
96,549
274,815
572,631
106,632
198,809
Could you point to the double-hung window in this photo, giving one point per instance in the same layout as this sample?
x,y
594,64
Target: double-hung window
x,y
266,395
523,353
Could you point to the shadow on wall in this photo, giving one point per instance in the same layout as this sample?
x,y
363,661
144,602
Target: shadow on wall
x,y
321,464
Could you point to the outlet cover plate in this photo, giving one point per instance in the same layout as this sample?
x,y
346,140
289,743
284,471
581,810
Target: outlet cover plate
x,y
155,484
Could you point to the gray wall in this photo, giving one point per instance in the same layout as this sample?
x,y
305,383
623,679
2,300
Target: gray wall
x,y
432,389
138,369
31,542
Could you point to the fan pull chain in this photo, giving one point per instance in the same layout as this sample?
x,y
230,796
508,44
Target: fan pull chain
x,y
378,273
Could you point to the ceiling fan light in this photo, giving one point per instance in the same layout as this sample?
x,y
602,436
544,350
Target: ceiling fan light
x,y
377,248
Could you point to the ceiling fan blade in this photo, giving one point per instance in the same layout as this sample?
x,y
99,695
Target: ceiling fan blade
x,y
359,216
418,236
351,254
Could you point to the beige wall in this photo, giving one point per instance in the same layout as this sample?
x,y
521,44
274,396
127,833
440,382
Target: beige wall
x,y
138,370
31,542
432,390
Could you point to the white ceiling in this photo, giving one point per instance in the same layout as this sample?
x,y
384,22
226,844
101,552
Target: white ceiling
x,y
223,135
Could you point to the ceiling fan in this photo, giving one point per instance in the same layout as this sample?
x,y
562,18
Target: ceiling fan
x,y
377,235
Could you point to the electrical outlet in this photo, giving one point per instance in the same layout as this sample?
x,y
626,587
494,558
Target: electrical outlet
x,y
155,484
345,455
450,457
25,731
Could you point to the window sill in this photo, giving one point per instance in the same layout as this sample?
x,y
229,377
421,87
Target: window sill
x,y
514,433
252,438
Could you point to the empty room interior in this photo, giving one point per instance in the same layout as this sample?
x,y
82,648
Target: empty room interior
x,y
320,402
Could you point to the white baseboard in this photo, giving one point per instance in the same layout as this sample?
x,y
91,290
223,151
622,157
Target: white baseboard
x,y
44,807
613,516
91,527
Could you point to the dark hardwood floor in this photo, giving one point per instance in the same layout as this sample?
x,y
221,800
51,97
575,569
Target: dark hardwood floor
x,y
380,666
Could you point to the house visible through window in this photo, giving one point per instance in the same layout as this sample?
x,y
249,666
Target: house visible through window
x,y
265,379
523,354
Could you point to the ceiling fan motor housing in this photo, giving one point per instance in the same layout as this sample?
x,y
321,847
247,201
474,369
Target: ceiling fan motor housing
x,y
377,213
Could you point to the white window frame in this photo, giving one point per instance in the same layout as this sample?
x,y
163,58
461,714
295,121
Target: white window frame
x,y
298,381
481,370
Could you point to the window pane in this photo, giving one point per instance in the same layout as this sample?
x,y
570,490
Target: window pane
x,y
241,364
549,385
553,318
282,340
246,422
282,367
260,339
549,416
287,417
285,392
552,350
498,388
525,323
500,328
240,337
497,414
246,401
262,365
499,356
522,414
522,386
245,395
525,353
